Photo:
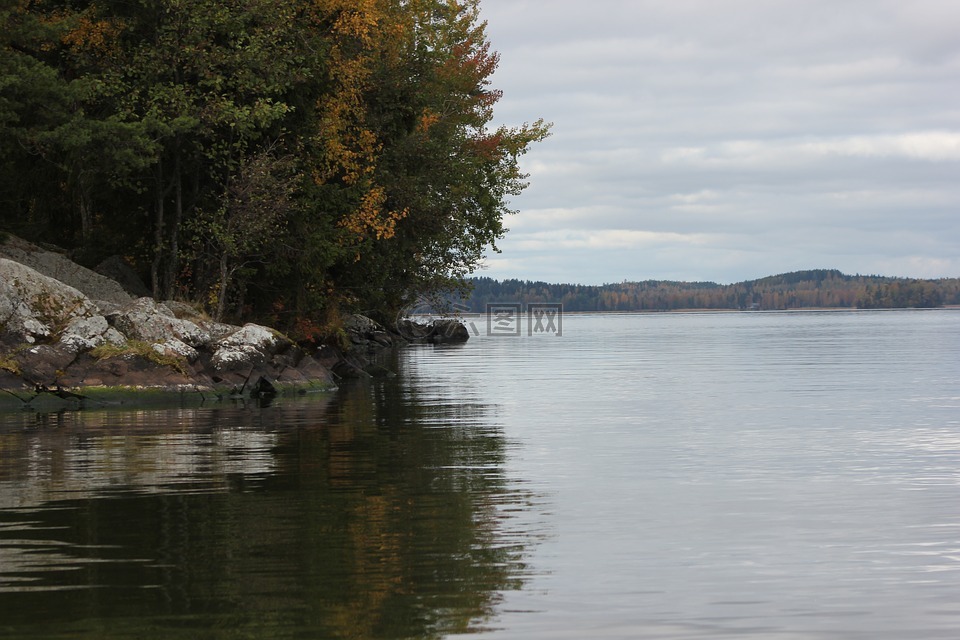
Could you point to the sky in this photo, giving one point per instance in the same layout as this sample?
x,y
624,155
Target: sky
x,y
727,140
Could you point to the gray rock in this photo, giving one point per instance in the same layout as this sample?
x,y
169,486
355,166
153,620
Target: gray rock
x,y
449,330
249,346
362,325
38,308
120,272
412,330
34,306
177,348
150,321
440,330
86,333
364,332
60,267
186,311
44,363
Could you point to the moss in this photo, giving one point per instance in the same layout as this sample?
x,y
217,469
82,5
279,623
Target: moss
x,y
49,308
342,340
140,349
9,363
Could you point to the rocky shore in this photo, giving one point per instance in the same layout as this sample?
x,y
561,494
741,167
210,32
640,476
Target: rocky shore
x,y
72,335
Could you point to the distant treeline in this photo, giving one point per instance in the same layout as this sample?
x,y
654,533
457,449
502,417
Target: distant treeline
x,y
823,288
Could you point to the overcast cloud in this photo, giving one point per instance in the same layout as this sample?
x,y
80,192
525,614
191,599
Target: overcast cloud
x,y
728,140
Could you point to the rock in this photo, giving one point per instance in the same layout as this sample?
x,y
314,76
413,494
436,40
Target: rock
x,y
174,347
199,355
45,363
34,306
361,325
449,331
186,311
59,267
382,338
263,388
150,321
86,333
116,269
365,332
414,330
249,346
440,330
351,366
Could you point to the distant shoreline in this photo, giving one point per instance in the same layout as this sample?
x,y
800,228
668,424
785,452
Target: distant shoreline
x,y
814,289
951,307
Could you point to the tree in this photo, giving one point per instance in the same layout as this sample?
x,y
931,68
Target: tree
x,y
440,165
348,140
252,212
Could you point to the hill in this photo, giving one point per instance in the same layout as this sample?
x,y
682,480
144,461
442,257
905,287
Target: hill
x,y
816,288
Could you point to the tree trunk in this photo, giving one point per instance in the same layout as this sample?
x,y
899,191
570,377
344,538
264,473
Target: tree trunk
x,y
224,284
157,234
86,217
173,260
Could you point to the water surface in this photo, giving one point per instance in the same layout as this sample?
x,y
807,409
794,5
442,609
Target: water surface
x,y
709,475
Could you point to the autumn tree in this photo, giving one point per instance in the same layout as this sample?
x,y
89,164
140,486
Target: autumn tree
x,y
298,156
442,166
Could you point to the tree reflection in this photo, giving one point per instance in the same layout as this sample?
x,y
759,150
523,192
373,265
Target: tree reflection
x,y
378,512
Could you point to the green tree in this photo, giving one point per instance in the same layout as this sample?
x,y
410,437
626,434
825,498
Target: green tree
x,y
206,80
251,213
351,142
441,164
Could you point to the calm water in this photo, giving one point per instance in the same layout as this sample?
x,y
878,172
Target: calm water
x,y
767,475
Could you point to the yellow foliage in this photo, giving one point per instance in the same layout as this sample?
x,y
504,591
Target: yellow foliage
x,y
370,220
350,149
93,34
427,119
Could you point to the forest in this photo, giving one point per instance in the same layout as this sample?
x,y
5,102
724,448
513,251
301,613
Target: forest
x,y
818,288
275,160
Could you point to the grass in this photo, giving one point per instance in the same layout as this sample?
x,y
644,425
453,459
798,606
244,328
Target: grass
x,y
8,363
141,349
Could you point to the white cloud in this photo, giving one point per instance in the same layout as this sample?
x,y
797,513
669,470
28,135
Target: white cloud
x,y
603,239
932,146
732,140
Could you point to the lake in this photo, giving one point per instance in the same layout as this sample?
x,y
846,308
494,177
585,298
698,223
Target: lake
x,y
685,475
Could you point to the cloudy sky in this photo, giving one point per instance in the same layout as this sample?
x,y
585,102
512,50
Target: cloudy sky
x,y
728,140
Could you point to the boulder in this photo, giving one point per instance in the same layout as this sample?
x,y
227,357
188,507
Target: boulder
x,y
175,347
148,320
86,333
186,311
251,345
448,330
365,332
440,330
34,306
59,267
44,363
116,269
48,330
361,325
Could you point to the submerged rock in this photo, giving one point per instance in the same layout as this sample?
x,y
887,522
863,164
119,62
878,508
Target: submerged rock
x,y
439,331
449,330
